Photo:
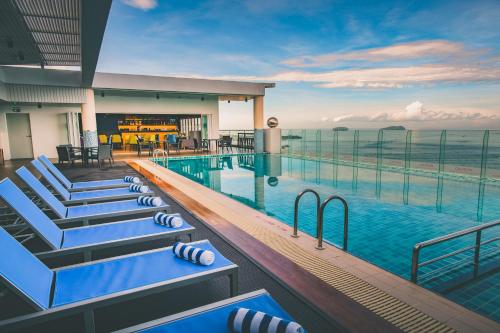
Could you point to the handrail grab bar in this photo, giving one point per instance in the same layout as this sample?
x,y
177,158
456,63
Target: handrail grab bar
x,y
477,229
296,211
321,216
156,154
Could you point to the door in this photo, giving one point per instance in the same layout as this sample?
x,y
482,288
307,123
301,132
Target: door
x,y
18,126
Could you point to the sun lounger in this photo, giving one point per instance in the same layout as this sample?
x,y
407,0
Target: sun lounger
x,y
82,288
84,196
88,238
85,212
81,186
213,316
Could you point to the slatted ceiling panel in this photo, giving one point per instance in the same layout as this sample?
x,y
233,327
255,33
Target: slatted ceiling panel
x,y
50,8
62,49
21,41
54,24
42,31
45,94
52,38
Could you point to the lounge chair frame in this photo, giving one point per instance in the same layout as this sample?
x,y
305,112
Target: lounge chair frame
x,y
88,306
79,189
86,249
55,184
192,312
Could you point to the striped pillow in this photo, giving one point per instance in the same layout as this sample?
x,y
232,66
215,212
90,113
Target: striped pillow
x,y
243,320
193,254
138,188
168,220
131,179
149,201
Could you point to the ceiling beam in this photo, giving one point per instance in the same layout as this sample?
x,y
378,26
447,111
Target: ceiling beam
x,y
94,16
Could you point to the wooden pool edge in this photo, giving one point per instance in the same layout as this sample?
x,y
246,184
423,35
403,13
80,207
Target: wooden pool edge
x,y
357,311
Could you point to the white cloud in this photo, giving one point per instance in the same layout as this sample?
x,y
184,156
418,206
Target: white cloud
x,y
142,4
383,78
421,49
417,112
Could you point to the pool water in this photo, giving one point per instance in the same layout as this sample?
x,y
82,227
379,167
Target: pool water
x,y
389,212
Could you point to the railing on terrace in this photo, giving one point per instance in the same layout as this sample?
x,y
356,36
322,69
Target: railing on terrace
x,y
472,153
239,138
475,248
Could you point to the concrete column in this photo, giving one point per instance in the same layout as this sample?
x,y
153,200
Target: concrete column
x,y
258,123
89,122
258,112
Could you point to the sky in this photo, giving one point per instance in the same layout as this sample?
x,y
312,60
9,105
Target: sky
x,y
357,64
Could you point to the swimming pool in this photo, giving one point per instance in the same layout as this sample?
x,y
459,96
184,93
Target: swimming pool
x,y
390,212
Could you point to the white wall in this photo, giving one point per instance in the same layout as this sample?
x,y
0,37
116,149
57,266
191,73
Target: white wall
x,y
48,128
164,105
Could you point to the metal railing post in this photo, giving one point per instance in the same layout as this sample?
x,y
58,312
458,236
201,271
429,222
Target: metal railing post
x,y
319,227
477,249
414,263
296,210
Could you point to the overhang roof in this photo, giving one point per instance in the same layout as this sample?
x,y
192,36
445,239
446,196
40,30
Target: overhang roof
x,y
178,85
53,33
127,82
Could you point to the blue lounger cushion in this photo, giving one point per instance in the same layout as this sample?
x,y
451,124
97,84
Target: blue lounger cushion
x,y
80,185
49,177
87,281
128,206
101,233
82,211
34,216
112,192
84,195
216,318
99,183
56,238
26,272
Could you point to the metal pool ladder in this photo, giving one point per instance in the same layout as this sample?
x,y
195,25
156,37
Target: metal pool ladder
x,y
163,153
415,265
320,210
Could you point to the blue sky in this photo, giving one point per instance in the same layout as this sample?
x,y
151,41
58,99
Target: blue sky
x,y
360,64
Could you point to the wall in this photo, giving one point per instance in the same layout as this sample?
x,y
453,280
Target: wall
x,y
171,105
48,128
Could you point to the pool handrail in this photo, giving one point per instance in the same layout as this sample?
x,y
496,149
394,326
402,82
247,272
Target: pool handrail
x,y
296,211
164,153
321,217
477,246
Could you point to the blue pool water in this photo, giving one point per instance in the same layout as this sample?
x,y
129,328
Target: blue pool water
x,y
389,213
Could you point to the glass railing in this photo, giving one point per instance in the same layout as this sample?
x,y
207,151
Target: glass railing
x,y
239,137
474,153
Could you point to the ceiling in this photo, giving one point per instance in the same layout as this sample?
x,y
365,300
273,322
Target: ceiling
x,y
53,33
36,32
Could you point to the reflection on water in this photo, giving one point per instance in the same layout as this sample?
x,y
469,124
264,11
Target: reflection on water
x,y
394,186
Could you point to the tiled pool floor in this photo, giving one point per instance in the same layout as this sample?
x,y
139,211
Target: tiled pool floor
x,y
389,212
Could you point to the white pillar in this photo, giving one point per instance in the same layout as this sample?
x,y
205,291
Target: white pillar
x,y
89,122
258,112
258,123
